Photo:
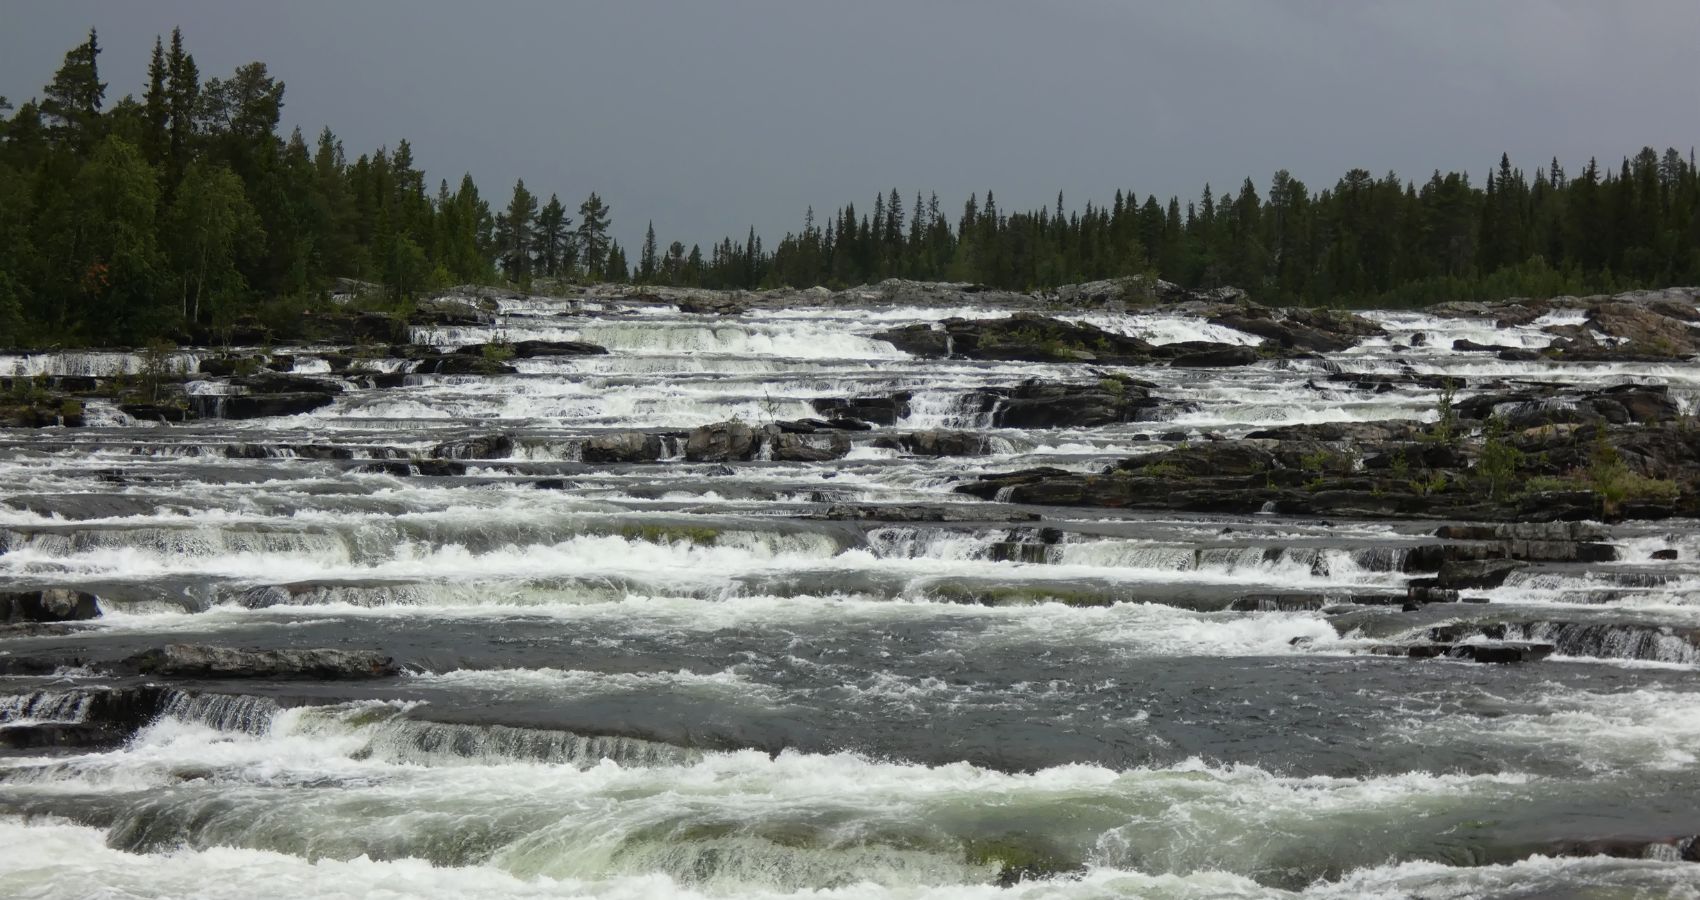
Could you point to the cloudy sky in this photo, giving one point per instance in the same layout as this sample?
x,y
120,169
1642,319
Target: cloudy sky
x,y
708,117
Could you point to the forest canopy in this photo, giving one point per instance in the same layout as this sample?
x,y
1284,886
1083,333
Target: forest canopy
x,y
184,210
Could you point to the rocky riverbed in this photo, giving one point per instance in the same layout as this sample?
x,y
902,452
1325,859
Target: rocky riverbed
x,y
913,590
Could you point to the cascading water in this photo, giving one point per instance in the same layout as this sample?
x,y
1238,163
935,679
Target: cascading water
x,y
530,634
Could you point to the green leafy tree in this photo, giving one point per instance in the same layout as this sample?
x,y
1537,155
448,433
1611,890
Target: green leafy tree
x,y
209,224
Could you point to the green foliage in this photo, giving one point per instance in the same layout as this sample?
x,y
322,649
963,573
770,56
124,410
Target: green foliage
x,y
1610,477
498,352
1432,483
1445,428
1499,461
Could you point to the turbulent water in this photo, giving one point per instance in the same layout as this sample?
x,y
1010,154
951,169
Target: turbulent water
x,y
678,679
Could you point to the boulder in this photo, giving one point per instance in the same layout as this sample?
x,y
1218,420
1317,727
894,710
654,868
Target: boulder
x,y
282,383
943,443
723,442
713,305
1221,357
1487,573
793,447
456,364
1024,336
880,410
623,447
1043,404
47,605
1301,329
207,661
259,406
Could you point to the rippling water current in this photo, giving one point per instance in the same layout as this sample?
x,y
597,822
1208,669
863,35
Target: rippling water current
x,y
677,680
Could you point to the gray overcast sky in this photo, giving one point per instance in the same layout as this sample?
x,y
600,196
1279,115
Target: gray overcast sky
x,y
710,117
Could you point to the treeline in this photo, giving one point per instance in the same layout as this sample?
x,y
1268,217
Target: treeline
x,y
1363,240
183,210
177,213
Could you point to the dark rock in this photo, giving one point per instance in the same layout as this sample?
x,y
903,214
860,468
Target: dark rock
x,y
206,661
1023,336
1469,346
909,513
1315,330
1426,593
1502,653
47,605
807,448
488,446
259,406
723,442
463,365
878,410
716,305
623,447
1226,356
945,443
1224,458
280,383
155,412
1489,573
1042,404
440,468
1667,554
1682,847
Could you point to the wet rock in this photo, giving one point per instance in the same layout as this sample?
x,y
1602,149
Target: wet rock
x,y
282,383
911,513
404,468
47,411
1680,848
488,446
1465,345
623,447
723,442
48,605
1489,573
1044,404
989,487
207,661
790,447
1427,593
1314,330
1645,329
1215,459
880,410
155,412
1223,356
260,406
454,364
1493,654
1287,602
941,443
1023,336
1667,554
1525,531
535,349
713,305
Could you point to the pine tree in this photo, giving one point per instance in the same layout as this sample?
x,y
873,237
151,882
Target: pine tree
x,y
71,102
551,239
157,102
593,235
647,261
516,234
